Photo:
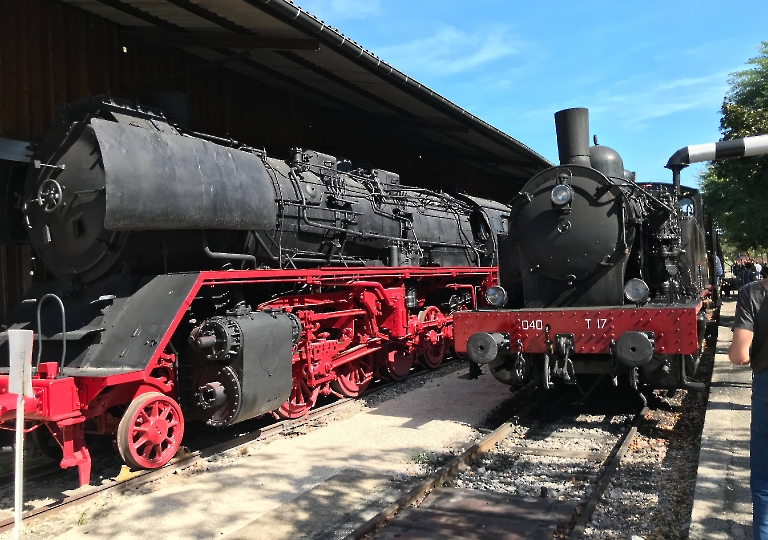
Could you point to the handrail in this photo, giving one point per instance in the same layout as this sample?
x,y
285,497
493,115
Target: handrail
x,y
63,330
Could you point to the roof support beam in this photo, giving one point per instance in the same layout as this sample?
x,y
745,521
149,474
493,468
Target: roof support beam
x,y
362,114
341,81
221,40
141,15
196,69
242,31
210,16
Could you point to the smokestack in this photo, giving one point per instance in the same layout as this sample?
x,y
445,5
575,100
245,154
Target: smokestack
x,y
572,126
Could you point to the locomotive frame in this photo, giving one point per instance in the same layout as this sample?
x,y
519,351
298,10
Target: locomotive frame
x,y
376,338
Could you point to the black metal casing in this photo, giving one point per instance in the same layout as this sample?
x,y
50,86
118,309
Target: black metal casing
x,y
612,230
116,187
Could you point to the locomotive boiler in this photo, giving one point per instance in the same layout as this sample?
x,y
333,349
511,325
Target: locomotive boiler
x,y
114,185
197,278
599,274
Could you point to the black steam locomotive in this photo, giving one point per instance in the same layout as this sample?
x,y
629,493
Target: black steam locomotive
x,y
599,274
199,278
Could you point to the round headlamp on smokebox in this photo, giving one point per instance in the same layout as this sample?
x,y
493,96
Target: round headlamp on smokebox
x,y
636,291
496,296
561,194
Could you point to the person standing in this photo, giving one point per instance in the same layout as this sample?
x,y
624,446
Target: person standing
x,y
750,346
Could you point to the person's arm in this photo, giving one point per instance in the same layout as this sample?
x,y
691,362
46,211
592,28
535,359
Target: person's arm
x,y
743,327
738,353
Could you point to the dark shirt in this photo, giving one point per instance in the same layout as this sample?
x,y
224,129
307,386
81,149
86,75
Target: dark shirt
x,y
752,315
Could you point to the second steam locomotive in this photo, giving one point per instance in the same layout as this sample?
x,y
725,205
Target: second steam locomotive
x,y
197,278
601,275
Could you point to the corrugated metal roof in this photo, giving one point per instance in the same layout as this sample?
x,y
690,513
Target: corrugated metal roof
x,y
340,75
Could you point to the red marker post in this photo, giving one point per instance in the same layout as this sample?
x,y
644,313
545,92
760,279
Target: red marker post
x,y
20,383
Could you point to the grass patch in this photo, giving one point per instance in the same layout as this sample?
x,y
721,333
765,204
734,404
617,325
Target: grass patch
x,y
422,456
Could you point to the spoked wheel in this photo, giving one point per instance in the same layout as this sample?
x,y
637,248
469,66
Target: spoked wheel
x,y
150,432
301,400
353,377
434,345
395,364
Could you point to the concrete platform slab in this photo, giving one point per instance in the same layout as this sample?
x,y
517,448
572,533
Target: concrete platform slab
x,y
231,492
722,507
329,510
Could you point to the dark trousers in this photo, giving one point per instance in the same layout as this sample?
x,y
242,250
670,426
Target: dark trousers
x,y
758,455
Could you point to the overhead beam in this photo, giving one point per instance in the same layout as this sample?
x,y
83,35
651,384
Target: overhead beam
x,y
363,115
140,14
221,40
210,16
413,120
195,69
346,83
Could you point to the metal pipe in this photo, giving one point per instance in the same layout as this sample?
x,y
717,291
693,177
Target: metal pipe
x,y
276,259
748,146
226,256
63,330
676,180
471,288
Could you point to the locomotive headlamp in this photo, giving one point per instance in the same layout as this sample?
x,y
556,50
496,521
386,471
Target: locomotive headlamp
x,y
636,291
561,194
496,296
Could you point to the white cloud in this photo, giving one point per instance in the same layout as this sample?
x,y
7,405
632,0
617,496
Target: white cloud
x,y
332,11
451,51
662,99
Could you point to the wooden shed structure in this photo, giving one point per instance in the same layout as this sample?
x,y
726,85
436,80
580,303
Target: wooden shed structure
x,y
263,72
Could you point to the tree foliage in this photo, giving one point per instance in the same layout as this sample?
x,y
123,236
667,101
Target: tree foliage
x,y
736,190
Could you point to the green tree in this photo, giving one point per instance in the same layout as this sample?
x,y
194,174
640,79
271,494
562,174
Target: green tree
x,y
736,190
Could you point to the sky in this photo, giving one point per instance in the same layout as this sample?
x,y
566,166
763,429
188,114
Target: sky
x,y
652,73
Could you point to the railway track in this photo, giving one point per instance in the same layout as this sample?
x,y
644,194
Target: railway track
x,y
456,505
509,437
130,480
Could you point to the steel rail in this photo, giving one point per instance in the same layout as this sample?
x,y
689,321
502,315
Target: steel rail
x,y
608,473
443,474
462,462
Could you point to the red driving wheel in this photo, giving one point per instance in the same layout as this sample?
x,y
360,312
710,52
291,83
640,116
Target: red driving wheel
x,y
302,399
434,346
353,377
395,364
150,432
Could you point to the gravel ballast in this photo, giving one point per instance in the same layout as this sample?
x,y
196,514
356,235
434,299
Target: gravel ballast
x,y
651,495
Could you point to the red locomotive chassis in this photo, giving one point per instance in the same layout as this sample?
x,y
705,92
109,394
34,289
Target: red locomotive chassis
x,y
593,329
357,325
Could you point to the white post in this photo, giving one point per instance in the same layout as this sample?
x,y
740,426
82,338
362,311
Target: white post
x,y
20,383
